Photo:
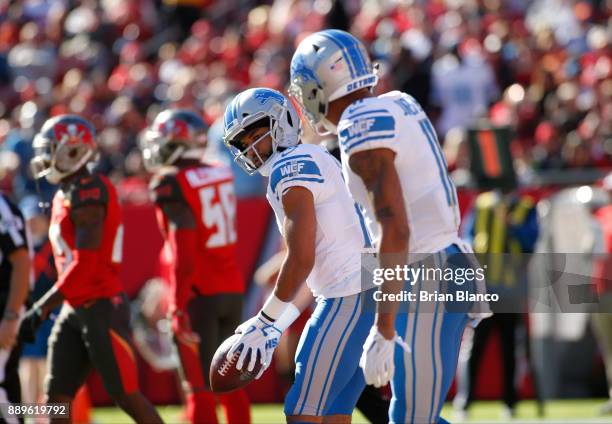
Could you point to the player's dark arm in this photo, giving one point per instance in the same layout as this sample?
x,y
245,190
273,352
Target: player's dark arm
x,y
88,223
183,242
89,226
299,230
376,168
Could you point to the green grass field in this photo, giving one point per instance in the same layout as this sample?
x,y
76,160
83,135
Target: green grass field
x,y
565,411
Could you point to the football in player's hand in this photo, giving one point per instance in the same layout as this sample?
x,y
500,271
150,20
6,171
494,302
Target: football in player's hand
x,y
224,377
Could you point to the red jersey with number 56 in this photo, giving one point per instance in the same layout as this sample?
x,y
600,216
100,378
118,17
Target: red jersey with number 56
x,y
209,192
104,283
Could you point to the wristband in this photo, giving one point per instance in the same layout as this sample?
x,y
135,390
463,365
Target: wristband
x,y
274,307
286,319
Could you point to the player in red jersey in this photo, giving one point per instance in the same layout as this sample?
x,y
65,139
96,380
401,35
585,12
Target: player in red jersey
x,y
196,211
92,329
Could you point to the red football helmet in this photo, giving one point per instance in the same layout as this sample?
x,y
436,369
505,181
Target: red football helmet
x,y
173,132
63,146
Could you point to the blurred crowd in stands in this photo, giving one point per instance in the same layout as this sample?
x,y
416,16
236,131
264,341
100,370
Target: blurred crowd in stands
x,y
542,67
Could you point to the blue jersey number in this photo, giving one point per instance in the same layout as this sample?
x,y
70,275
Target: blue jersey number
x,y
434,145
409,106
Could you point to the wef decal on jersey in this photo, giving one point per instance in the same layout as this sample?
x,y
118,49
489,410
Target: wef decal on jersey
x,y
292,168
360,127
367,129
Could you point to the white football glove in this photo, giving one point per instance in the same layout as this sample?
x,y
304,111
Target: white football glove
x,y
377,357
260,337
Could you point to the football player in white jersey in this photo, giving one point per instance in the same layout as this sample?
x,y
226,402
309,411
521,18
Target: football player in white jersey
x,y
321,226
394,168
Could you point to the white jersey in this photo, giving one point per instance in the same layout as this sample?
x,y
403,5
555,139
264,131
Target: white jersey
x,y
340,234
396,121
463,90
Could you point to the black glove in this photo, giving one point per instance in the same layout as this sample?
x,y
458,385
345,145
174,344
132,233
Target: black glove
x,y
30,323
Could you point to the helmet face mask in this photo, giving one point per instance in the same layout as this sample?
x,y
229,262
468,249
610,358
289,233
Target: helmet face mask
x,y
66,154
41,162
63,146
158,151
311,100
241,153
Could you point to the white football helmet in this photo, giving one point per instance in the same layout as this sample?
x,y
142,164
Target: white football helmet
x,y
326,66
260,105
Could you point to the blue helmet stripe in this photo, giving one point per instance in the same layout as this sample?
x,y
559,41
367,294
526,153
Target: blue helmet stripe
x,y
227,119
234,106
330,36
352,47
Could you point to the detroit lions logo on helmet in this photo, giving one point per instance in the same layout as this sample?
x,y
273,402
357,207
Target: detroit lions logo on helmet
x,y
299,69
265,95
